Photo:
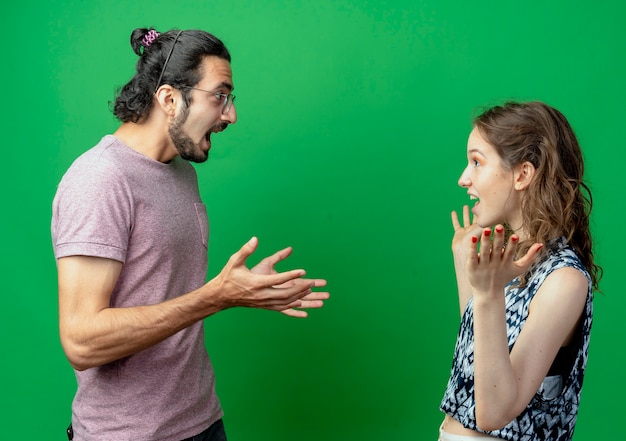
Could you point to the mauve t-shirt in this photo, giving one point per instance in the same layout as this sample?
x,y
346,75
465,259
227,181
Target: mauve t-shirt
x,y
117,204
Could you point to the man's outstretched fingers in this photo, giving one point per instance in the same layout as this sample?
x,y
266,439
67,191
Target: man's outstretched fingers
x,y
287,276
240,257
318,282
279,255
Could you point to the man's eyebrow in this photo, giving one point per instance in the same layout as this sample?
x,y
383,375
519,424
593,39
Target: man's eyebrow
x,y
225,85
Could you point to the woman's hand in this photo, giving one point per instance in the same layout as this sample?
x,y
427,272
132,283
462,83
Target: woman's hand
x,y
493,266
462,235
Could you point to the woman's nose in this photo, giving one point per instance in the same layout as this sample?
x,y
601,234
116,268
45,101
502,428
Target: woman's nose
x,y
464,179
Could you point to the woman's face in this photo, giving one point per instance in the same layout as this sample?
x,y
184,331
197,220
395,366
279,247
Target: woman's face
x,y
490,184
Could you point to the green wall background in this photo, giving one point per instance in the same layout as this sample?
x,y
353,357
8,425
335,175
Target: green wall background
x,y
353,119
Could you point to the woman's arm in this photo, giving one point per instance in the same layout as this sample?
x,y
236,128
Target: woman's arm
x,y
505,383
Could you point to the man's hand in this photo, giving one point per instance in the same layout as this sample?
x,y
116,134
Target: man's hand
x,y
312,300
264,287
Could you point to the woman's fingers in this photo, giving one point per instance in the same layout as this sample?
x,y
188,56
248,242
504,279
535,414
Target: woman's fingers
x,y
498,242
466,216
455,221
485,245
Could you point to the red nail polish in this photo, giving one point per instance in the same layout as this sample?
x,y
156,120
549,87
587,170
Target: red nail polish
x,y
487,233
474,239
499,229
514,238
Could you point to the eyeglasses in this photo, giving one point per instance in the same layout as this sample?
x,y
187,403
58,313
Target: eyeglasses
x,y
227,99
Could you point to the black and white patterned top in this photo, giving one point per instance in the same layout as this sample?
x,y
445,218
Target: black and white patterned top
x,y
551,414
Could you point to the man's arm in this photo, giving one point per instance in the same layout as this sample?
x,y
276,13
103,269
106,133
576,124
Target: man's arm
x,y
93,333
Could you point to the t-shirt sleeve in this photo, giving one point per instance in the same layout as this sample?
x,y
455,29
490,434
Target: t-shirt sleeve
x,y
92,212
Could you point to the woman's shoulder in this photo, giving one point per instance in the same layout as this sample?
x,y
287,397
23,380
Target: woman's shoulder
x,y
562,257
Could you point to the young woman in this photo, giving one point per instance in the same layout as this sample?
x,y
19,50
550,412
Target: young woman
x,y
526,274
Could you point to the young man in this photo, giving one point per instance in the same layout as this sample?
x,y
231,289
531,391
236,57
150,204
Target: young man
x,y
130,238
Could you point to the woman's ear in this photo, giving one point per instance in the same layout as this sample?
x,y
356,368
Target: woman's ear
x,y
523,176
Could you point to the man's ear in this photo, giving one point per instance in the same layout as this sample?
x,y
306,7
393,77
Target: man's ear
x,y
523,175
167,99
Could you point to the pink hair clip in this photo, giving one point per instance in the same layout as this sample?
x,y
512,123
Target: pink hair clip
x,y
149,38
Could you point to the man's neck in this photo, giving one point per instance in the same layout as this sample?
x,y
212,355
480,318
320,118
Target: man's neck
x,y
148,138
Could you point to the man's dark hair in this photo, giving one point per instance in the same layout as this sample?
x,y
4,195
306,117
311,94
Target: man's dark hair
x,y
173,57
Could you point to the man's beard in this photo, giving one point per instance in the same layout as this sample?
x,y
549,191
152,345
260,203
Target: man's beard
x,y
186,147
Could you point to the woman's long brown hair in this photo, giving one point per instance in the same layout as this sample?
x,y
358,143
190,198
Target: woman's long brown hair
x,y
558,202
